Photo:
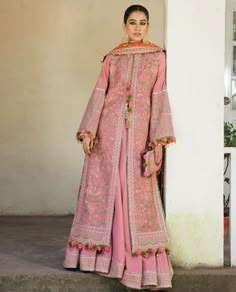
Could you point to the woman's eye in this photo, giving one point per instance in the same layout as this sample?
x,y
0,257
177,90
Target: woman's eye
x,y
132,22
143,23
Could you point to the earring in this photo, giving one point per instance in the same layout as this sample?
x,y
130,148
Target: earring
x,y
146,39
125,41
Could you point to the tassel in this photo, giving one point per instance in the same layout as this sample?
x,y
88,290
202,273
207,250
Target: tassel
x,y
127,119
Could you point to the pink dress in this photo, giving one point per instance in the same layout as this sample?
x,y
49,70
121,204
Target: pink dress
x,y
138,265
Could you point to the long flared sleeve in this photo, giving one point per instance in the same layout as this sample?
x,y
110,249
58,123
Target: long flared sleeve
x,y
161,126
91,116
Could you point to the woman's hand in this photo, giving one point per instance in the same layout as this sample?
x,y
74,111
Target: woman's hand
x,y
158,151
88,145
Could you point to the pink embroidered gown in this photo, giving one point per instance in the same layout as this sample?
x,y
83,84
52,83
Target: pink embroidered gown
x,y
119,227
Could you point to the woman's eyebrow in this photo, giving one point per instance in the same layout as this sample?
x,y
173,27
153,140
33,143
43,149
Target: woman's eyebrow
x,y
136,20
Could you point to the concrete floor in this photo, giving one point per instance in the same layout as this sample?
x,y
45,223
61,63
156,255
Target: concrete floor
x,y
227,251
32,252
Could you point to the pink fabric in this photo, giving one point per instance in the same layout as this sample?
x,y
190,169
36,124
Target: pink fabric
x,y
117,205
150,119
154,272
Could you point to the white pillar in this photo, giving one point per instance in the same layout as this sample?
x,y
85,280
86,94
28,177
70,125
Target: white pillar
x,y
194,183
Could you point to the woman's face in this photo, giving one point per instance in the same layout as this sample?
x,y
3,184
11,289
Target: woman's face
x,y
136,26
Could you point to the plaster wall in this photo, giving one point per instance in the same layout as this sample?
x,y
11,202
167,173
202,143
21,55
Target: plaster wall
x,y
194,182
50,57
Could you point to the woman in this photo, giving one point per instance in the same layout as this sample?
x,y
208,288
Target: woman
x,y
119,227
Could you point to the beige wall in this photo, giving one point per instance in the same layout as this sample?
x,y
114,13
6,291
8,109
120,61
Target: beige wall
x,y
50,57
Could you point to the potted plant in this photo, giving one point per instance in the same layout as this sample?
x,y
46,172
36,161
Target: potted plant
x,y
229,141
226,200
229,135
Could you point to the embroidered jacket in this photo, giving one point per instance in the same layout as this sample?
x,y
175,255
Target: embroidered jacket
x,y
131,86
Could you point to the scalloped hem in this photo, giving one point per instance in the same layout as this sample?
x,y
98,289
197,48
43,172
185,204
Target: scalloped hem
x,y
152,273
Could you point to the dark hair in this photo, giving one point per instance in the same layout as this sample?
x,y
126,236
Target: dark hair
x,y
134,8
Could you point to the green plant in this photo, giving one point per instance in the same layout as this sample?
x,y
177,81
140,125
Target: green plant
x,y
229,135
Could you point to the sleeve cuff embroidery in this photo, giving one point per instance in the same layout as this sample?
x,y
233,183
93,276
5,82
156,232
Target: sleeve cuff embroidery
x,y
85,133
164,141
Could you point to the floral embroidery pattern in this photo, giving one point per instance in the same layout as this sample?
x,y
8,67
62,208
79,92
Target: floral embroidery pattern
x,y
80,136
90,246
151,251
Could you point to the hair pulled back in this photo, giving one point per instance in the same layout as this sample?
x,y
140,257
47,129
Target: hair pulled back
x,y
134,8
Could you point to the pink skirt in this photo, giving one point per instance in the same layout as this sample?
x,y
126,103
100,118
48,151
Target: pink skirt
x,y
154,272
